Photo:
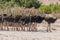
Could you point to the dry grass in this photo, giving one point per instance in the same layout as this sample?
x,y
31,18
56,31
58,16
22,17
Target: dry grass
x,y
22,11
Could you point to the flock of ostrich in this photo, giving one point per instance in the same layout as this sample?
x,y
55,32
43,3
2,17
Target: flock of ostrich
x,y
24,21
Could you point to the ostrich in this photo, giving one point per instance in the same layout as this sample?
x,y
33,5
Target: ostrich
x,y
3,20
17,21
9,20
50,19
36,19
24,20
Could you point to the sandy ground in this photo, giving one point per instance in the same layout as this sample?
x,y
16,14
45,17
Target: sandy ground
x,y
14,35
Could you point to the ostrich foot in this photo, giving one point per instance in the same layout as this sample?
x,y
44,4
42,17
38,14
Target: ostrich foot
x,y
49,31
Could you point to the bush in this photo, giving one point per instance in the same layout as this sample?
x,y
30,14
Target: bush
x,y
24,3
45,8
50,8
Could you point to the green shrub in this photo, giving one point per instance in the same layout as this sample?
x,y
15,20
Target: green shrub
x,y
24,3
50,8
45,8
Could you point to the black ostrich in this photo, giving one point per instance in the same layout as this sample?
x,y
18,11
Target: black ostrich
x,y
24,20
2,20
34,20
49,21
3,16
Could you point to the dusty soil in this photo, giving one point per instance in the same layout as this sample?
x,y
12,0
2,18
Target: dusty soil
x,y
14,35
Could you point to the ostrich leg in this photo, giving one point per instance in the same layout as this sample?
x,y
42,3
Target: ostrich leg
x,y
7,26
21,27
49,27
2,26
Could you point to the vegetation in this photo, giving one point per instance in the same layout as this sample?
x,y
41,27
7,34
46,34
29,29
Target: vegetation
x,y
50,8
6,4
21,3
